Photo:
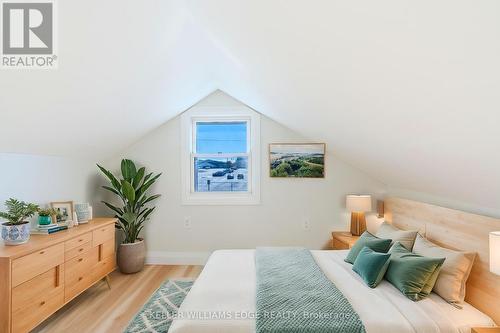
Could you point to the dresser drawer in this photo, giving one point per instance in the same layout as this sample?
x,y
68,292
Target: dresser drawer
x,y
78,273
36,299
76,287
104,267
81,249
79,266
107,249
77,241
31,265
103,234
37,288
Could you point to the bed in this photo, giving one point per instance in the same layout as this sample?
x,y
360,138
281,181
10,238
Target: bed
x,y
223,300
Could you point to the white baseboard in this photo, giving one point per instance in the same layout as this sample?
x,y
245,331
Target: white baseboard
x,y
176,258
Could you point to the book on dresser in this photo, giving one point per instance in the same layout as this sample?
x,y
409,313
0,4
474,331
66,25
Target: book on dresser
x,y
48,229
41,276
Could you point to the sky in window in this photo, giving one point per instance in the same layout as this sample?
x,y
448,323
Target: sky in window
x,y
221,137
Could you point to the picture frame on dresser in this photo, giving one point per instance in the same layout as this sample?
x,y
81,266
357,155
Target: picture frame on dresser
x,y
64,210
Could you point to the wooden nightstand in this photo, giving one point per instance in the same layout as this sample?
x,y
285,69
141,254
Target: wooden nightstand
x,y
485,330
343,240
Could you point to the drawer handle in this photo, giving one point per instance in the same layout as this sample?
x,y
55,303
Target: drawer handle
x,y
80,278
80,260
103,230
42,303
80,250
42,252
80,240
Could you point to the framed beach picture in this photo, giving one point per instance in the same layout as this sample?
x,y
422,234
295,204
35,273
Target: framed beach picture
x,y
64,210
297,160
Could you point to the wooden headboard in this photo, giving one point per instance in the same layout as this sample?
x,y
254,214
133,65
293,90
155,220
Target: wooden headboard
x,y
456,230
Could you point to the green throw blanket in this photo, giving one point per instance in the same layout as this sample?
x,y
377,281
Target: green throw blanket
x,y
294,295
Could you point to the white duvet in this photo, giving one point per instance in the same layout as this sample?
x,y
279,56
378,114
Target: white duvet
x,y
222,300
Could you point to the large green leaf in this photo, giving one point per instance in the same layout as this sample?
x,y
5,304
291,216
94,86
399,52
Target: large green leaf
x,y
115,209
128,170
112,190
123,222
128,191
130,218
147,184
150,210
151,198
147,177
142,212
138,177
111,177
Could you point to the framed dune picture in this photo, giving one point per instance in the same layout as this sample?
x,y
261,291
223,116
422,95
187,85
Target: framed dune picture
x,y
297,160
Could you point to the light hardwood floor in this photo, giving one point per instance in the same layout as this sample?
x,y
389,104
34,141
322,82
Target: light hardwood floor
x,y
100,310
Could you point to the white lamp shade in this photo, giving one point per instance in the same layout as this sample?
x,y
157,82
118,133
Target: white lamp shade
x,y
495,252
359,203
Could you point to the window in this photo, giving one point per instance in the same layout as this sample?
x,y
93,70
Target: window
x,y
221,156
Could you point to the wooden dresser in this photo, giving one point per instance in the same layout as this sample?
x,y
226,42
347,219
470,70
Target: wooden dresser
x,y
39,277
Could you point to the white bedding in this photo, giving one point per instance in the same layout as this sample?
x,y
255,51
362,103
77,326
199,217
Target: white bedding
x,y
222,300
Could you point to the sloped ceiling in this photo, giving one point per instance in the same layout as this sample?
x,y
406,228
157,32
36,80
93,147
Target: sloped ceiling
x,y
407,91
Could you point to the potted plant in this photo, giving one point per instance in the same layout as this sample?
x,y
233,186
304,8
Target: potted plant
x,y
45,216
132,190
17,230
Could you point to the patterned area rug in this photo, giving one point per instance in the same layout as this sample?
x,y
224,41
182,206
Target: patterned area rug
x,y
157,314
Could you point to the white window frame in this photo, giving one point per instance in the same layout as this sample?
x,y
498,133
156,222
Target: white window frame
x,y
188,148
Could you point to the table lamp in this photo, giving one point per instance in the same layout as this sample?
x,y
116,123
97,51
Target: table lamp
x,y
358,205
495,252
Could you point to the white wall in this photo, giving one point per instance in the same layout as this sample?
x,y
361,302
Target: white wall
x,y
277,221
448,202
42,179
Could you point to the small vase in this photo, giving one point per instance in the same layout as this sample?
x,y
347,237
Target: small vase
x,y
16,234
44,220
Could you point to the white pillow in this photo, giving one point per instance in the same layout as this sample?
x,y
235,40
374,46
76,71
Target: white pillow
x,y
450,284
405,237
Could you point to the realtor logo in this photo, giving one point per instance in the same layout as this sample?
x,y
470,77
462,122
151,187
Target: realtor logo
x,y
28,34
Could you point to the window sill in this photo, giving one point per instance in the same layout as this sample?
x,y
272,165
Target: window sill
x,y
220,199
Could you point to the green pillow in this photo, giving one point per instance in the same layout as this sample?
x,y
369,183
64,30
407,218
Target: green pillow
x,y
412,274
370,241
399,249
371,266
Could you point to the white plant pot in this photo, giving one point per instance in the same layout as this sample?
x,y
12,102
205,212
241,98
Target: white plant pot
x,y
16,234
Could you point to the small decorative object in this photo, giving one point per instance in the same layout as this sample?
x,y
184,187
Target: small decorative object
x,y
64,210
45,216
17,229
75,219
132,190
83,212
91,213
358,205
293,160
71,223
